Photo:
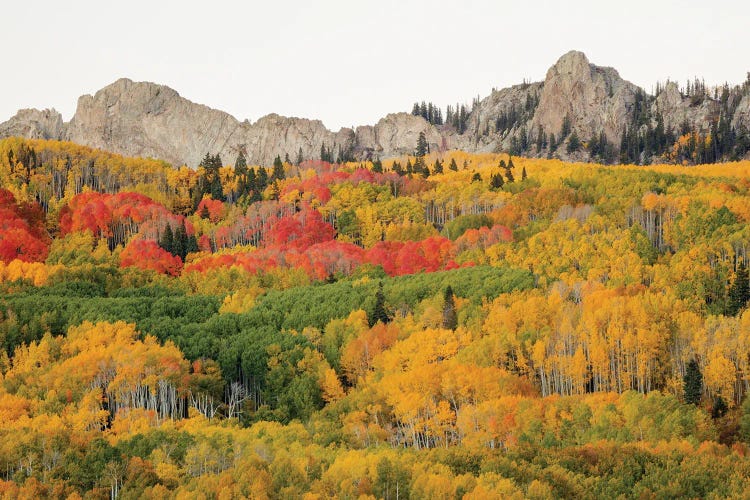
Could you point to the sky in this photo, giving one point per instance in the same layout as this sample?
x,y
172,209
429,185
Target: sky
x,y
349,63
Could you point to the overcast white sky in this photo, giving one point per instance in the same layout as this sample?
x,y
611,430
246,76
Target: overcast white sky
x,y
351,62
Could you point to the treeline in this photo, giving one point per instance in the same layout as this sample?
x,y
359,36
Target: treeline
x,y
456,116
433,114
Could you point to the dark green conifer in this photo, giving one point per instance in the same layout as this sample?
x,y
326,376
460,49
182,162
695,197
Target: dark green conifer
x,y
496,182
692,383
739,292
450,319
719,408
422,147
278,169
378,311
180,242
167,239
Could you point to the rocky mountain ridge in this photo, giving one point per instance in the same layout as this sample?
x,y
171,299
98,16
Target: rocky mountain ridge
x,y
576,98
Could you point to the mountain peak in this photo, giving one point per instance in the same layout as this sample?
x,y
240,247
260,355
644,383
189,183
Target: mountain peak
x,y
571,62
148,119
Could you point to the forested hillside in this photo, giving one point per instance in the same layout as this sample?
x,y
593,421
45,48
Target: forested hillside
x,y
445,325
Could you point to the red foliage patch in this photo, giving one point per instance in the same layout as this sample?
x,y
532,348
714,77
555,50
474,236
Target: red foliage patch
x,y
146,254
215,208
22,232
117,216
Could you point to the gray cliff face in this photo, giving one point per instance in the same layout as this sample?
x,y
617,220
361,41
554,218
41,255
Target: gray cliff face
x,y
145,119
741,118
34,124
397,134
275,135
676,110
150,120
481,130
594,98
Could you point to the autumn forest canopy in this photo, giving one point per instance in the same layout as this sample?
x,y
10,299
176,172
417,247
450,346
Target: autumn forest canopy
x,y
440,325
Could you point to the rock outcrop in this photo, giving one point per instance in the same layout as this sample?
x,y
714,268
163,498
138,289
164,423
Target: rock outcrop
x,y
741,118
35,124
275,135
518,101
676,110
146,119
594,98
397,134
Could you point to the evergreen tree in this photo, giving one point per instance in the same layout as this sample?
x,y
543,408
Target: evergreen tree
x,y
476,177
463,116
419,166
378,311
438,168
192,244
421,145
565,129
509,170
496,182
692,383
180,242
326,154
540,139
552,143
262,180
278,169
739,292
574,144
252,183
241,172
205,214
523,174
450,319
300,159
745,420
425,171
453,165
217,192
210,182
167,239
377,166
719,408
340,157
240,164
